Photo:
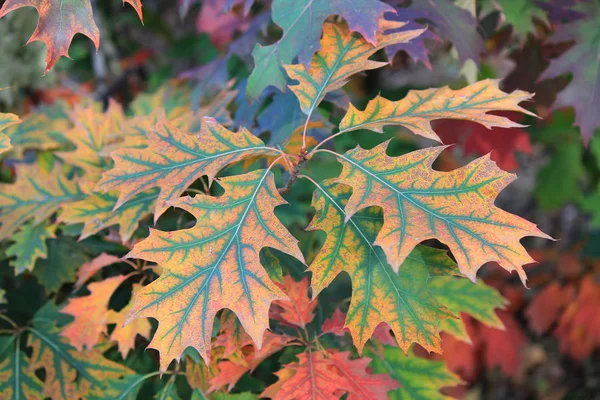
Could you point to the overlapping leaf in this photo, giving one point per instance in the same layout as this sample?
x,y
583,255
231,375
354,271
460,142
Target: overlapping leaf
x,y
299,310
342,54
419,203
125,335
6,120
90,313
174,160
96,212
214,265
420,107
69,374
37,130
60,21
301,21
460,295
328,375
35,195
379,295
419,378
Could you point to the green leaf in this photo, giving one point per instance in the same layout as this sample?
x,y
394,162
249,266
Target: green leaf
x,y
17,379
419,378
65,256
402,300
29,245
460,295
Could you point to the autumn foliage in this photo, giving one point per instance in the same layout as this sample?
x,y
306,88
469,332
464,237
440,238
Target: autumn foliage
x,y
263,233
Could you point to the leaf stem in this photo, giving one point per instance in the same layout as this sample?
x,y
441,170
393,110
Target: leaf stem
x,y
10,321
314,149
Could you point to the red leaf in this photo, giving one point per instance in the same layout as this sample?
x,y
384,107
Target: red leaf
x,y
299,309
545,308
477,139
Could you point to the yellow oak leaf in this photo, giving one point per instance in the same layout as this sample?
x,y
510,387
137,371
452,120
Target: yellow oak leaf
x,y
36,194
214,265
416,111
90,313
174,159
89,134
6,120
342,54
455,207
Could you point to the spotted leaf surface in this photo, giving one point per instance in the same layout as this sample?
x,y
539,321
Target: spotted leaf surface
x,y
379,295
214,265
419,378
6,120
416,111
455,207
342,55
36,195
36,131
175,159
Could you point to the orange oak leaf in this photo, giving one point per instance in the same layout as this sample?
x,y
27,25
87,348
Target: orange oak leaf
x,y
361,384
247,359
214,265
299,309
59,21
232,336
578,329
328,375
416,111
89,269
335,323
91,313
455,207
125,335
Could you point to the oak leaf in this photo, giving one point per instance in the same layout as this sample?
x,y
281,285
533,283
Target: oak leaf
x,y
379,294
6,120
30,244
299,310
416,111
342,55
174,160
546,307
89,269
17,379
91,313
455,207
214,265
125,335
59,21
69,374
35,195
301,21
419,378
